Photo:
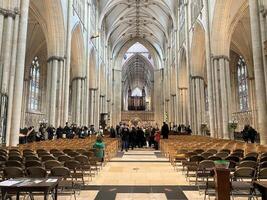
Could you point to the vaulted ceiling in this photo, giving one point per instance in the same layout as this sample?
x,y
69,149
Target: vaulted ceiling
x,y
137,72
124,20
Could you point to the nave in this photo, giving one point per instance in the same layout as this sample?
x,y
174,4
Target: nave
x,y
141,175
145,173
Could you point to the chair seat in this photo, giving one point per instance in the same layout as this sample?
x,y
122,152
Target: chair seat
x,y
241,185
180,156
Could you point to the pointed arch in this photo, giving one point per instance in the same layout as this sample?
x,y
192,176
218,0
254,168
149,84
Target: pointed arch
x,y
198,51
77,51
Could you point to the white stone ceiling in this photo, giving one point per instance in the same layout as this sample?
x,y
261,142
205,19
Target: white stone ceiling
x,y
137,72
125,20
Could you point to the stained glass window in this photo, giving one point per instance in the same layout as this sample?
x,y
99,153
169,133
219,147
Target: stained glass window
x,y
34,90
242,84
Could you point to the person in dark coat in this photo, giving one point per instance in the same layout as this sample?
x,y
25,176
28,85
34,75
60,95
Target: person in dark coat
x,y
50,131
140,137
188,130
165,130
245,133
179,128
252,134
134,137
68,131
118,130
125,138
112,132
59,132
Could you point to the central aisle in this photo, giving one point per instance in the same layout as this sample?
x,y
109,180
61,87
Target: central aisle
x,y
141,175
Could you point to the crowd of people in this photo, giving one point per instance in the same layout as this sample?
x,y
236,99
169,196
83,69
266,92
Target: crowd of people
x,y
181,128
49,132
139,136
249,133
131,136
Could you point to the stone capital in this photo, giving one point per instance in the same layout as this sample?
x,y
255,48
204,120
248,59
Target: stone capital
x,y
78,78
218,57
58,58
9,13
197,77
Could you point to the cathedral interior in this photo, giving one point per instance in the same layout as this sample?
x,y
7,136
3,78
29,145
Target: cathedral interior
x,y
198,66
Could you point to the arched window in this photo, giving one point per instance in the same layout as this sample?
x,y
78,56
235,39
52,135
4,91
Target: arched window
x,y
137,92
34,90
242,84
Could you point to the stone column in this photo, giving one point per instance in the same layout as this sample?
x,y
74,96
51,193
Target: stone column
x,y
258,70
73,100
48,89
198,103
91,107
12,76
252,101
19,74
263,28
224,100
7,50
53,93
188,65
78,101
1,32
60,93
68,60
183,104
174,107
83,99
194,108
209,70
199,108
217,97
202,101
223,94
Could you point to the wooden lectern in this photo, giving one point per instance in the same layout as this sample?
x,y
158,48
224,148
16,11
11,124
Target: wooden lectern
x,y
222,183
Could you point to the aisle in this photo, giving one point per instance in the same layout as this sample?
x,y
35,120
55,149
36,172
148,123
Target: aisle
x,y
141,174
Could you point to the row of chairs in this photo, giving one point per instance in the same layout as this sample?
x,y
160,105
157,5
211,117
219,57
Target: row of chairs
x,y
111,145
53,158
196,155
68,184
170,147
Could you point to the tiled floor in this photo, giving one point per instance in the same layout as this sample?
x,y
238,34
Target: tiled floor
x,y
140,174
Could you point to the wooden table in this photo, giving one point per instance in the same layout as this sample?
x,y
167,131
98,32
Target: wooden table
x,y
16,186
262,187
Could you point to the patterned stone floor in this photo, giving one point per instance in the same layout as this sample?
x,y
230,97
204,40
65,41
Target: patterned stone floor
x,y
140,175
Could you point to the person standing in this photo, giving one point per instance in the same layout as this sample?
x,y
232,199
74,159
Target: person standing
x,y
157,140
252,134
140,137
112,132
165,130
245,133
125,138
130,139
99,147
50,131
